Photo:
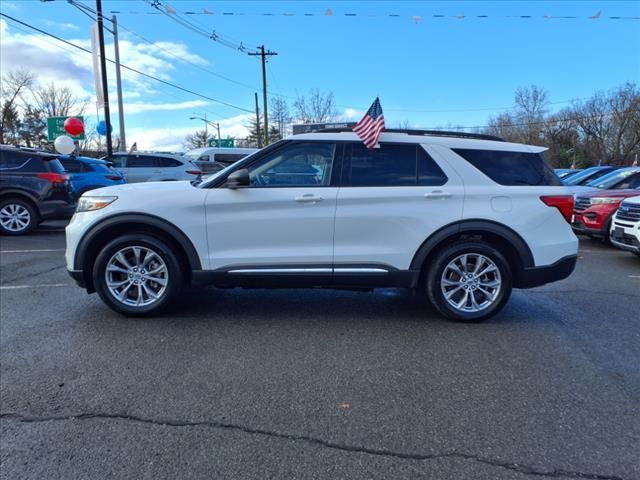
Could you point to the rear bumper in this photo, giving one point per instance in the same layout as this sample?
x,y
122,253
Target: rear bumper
x,y
56,210
536,276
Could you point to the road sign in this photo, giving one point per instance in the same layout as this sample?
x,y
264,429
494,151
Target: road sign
x,y
222,143
55,128
316,127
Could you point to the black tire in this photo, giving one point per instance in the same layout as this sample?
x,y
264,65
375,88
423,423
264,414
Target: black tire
x,y
433,282
27,213
174,275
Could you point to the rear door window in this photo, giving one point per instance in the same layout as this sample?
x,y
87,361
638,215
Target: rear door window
x,y
12,160
393,165
75,166
510,168
141,162
164,162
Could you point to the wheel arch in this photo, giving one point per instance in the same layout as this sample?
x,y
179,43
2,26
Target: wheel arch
x,y
109,228
503,238
20,195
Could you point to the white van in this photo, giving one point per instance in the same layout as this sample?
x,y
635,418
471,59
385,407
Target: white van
x,y
224,156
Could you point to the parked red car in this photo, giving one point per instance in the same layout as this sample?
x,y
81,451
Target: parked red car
x,y
592,211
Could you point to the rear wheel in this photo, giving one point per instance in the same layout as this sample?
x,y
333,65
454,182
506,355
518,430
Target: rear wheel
x,y
137,275
17,217
469,281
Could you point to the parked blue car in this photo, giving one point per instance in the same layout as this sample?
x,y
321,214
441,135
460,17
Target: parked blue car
x,y
89,173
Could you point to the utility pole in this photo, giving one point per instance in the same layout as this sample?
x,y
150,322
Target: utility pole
x,y
258,122
264,56
103,68
206,131
123,140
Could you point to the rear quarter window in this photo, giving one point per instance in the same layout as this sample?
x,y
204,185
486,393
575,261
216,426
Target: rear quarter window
x,y
510,168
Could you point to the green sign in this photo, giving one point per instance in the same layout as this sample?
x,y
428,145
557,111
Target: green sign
x,y
55,128
222,143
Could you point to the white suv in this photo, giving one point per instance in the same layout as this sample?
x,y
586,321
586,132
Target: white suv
x,y
462,218
153,166
625,226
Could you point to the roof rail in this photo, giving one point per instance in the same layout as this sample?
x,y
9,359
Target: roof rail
x,y
433,133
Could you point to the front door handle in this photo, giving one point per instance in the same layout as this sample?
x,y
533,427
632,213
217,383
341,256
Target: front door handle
x,y
308,198
436,194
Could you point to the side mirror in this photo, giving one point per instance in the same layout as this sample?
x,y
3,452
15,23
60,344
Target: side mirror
x,y
238,179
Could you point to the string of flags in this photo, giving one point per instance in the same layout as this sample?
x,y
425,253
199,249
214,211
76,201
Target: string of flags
x,y
414,18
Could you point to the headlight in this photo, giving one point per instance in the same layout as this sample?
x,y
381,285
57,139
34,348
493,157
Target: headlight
x,y
87,204
605,200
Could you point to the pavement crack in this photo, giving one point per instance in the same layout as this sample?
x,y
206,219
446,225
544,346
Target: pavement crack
x,y
32,275
580,290
516,467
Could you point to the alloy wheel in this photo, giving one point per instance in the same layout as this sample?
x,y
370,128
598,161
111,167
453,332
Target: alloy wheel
x,y
471,282
15,217
136,276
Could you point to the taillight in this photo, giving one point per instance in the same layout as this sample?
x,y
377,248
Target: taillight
x,y
113,177
194,172
564,203
53,177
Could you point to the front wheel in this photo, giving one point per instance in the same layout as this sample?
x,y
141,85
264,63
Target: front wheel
x,y
469,281
137,275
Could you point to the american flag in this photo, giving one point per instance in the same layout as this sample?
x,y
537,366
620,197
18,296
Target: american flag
x,y
371,125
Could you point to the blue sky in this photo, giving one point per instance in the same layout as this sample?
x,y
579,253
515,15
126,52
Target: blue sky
x,y
429,71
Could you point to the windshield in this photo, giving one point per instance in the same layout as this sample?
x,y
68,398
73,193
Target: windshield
x,y
580,178
611,179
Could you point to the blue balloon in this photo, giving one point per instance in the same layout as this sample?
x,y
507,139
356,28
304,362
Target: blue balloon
x,y
101,128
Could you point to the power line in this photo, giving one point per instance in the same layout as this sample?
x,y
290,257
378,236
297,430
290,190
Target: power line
x,y
172,13
282,95
186,60
415,18
128,67
84,9
549,122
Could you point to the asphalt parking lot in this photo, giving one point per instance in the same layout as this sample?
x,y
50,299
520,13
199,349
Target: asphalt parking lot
x,y
317,384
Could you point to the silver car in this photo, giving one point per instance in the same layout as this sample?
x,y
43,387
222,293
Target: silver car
x,y
153,167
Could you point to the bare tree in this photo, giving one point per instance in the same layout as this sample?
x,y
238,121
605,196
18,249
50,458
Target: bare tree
x,y
197,139
531,107
316,108
610,124
404,125
280,115
12,85
58,101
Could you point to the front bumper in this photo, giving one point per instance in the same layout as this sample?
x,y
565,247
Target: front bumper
x,y
536,276
78,277
625,236
580,228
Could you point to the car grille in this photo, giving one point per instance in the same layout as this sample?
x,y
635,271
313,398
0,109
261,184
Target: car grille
x,y
581,203
629,240
628,212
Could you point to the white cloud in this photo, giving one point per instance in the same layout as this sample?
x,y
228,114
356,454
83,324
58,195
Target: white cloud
x,y
172,139
64,65
62,26
351,114
140,107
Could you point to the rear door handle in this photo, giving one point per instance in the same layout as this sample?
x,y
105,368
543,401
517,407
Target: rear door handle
x,y
308,198
436,194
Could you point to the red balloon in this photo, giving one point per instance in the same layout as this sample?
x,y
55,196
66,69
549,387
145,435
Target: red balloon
x,y
73,126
